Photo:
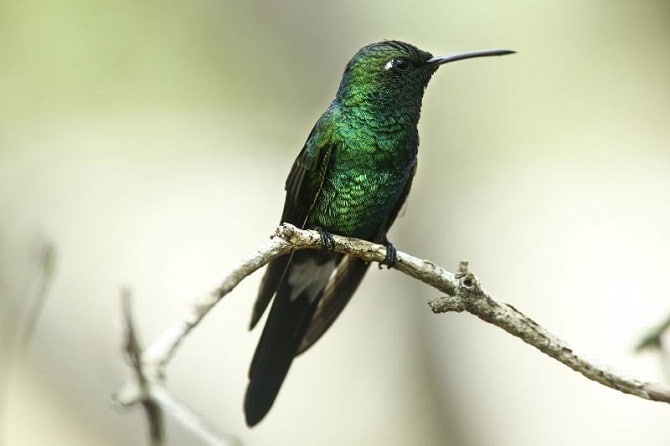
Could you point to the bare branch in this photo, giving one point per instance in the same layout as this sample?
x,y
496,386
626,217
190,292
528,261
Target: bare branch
x,y
149,390
463,293
472,298
286,238
133,352
159,353
190,418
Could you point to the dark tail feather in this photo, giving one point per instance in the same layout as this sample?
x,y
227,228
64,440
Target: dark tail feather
x,y
334,298
276,349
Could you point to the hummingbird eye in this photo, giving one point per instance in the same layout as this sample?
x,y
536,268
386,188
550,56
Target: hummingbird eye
x,y
398,64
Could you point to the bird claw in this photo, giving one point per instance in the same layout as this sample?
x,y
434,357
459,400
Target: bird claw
x,y
327,240
391,257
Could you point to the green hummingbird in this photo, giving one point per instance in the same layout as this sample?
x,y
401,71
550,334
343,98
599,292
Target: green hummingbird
x,y
351,178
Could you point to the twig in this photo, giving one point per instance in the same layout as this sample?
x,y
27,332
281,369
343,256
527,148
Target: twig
x,y
463,291
133,352
20,320
189,418
148,389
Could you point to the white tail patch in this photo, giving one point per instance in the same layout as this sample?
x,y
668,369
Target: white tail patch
x,y
309,277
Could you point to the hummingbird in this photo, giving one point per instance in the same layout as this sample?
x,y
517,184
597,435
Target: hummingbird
x,y
351,178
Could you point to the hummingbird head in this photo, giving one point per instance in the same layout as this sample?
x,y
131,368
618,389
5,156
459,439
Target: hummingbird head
x,y
393,74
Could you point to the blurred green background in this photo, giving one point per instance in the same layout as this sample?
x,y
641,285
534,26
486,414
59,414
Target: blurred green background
x,y
149,142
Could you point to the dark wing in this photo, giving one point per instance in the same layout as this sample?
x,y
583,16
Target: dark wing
x,y
346,279
303,185
296,280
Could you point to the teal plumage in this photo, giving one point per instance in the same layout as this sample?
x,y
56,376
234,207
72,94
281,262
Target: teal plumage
x,y
351,178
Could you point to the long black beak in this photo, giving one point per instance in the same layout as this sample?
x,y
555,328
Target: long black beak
x,y
467,55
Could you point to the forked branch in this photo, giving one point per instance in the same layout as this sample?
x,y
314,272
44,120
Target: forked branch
x,y
462,290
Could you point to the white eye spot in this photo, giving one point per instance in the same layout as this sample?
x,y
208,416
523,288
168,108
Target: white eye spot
x,y
397,64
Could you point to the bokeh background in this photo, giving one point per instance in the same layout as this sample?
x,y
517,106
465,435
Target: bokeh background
x,y
148,143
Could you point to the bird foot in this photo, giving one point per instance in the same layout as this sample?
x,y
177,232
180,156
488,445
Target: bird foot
x,y
391,257
327,240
